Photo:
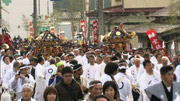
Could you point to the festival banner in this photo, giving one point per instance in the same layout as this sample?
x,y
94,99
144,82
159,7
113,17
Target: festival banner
x,y
31,29
152,35
84,31
154,39
60,34
52,30
95,27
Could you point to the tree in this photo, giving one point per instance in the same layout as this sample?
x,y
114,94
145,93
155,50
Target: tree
x,y
55,18
25,23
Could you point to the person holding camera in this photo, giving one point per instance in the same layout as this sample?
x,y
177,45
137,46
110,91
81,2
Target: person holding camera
x,y
57,77
17,81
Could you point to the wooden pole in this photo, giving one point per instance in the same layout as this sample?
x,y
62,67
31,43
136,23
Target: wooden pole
x,y
72,22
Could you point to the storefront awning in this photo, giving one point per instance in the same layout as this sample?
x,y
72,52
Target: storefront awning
x,y
159,28
120,10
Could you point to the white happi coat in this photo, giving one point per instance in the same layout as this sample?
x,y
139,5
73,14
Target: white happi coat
x,y
4,68
7,77
50,70
26,61
79,58
102,67
17,85
124,85
105,78
177,73
157,67
91,72
153,60
136,74
47,63
40,81
147,80
84,60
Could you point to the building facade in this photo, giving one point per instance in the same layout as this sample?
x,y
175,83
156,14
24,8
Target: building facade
x,y
13,18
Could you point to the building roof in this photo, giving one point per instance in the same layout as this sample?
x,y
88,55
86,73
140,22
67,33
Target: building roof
x,y
120,10
159,28
172,10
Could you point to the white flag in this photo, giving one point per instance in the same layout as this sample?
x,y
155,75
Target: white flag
x,y
0,31
172,45
163,45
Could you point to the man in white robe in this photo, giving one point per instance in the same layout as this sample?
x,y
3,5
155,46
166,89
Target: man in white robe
x,y
85,59
9,75
99,62
153,58
40,79
136,71
177,72
5,66
91,70
28,57
148,78
27,92
124,84
18,80
159,62
50,70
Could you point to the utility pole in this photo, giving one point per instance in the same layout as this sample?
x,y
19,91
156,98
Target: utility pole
x,y
35,17
87,21
72,22
100,18
48,7
39,7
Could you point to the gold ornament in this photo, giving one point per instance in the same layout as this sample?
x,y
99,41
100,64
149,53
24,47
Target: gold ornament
x,y
118,33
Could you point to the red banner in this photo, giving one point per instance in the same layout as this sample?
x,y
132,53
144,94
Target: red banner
x,y
95,27
84,31
152,35
154,39
60,34
52,30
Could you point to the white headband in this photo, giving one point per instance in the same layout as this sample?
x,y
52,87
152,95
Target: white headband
x,y
28,53
24,67
28,85
77,68
99,84
19,58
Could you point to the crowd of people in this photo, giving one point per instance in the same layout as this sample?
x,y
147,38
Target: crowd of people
x,y
89,74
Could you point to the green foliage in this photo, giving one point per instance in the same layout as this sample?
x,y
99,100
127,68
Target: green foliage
x,y
77,5
5,24
40,22
55,18
25,23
